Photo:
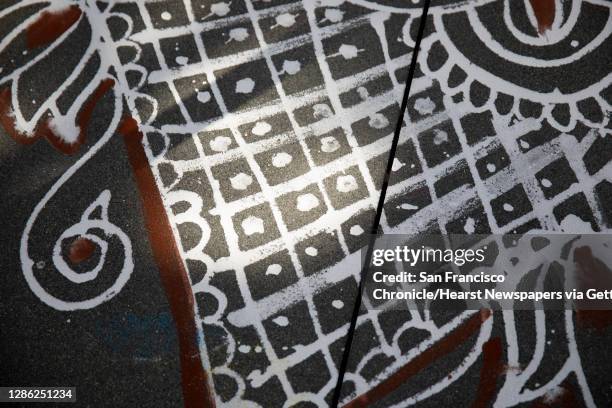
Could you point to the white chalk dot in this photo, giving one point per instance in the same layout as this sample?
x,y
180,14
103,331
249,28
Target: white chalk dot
x,y
203,96
241,181
356,230
363,93
546,183
407,206
338,304
274,269
574,43
245,86
396,165
346,184
285,20
244,348
425,106
181,60
470,225
491,167
166,16
440,137
321,110
378,121
291,67
307,202
239,34
348,51
311,251
219,9
253,225
508,207
220,143
329,144
281,321
261,128
333,15
281,159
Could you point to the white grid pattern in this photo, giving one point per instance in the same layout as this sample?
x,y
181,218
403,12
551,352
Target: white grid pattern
x,y
484,190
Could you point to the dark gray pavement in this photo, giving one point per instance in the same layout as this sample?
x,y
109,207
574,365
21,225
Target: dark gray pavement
x,y
267,127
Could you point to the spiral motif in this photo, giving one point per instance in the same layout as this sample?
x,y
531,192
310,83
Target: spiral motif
x,y
84,230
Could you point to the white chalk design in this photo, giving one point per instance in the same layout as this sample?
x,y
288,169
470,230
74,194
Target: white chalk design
x,y
310,137
304,132
83,229
94,219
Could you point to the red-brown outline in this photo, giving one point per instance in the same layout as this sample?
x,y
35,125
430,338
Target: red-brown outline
x,y
566,398
196,392
591,273
49,26
43,128
421,361
544,11
492,367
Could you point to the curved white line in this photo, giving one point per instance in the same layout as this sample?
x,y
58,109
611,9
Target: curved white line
x,y
28,264
500,84
551,35
506,54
